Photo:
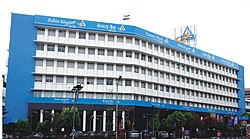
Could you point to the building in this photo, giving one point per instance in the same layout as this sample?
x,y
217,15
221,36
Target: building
x,y
50,55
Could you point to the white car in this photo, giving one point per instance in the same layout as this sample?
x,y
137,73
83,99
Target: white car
x,y
5,136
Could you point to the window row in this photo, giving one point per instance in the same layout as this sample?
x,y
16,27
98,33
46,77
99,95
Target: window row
x,y
137,70
129,82
139,42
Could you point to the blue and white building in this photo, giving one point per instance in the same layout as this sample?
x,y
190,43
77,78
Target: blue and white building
x,y
50,55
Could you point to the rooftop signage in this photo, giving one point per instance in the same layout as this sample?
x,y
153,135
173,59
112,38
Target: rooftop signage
x,y
131,30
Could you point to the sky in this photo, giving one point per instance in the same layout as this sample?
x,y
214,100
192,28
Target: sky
x,y
223,26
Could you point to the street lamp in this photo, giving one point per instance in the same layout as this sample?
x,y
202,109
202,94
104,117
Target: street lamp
x,y
76,90
116,109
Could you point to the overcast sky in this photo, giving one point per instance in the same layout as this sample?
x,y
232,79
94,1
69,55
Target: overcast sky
x,y
223,26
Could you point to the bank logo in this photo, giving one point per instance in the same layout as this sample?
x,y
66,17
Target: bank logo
x,y
81,24
122,28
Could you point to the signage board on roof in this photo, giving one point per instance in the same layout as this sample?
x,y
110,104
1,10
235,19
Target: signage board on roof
x,y
131,30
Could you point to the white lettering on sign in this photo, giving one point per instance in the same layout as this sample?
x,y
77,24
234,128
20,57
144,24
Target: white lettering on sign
x,y
156,37
208,56
71,23
186,48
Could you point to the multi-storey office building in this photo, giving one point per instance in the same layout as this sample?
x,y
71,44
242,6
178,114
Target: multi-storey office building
x,y
50,55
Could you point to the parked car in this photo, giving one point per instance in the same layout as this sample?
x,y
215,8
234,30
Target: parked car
x,y
5,136
77,134
146,134
134,134
163,135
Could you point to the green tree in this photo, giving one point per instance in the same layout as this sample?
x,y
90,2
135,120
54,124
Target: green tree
x,y
176,121
44,127
156,121
23,127
110,118
65,120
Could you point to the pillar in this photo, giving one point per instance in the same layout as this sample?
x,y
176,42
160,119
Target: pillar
x,y
84,120
104,121
123,119
113,120
41,116
94,120
52,113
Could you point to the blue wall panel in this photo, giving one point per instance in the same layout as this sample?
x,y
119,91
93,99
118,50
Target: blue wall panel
x,y
20,67
241,92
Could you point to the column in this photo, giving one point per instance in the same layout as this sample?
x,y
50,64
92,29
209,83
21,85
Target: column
x,y
123,119
52,113
104,121
94,120
41,116
113,120
84,120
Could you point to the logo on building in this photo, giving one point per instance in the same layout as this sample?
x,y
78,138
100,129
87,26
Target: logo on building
x,y
81,24
122,28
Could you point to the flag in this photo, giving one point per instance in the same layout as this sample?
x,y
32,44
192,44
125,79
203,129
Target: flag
x,y
126,17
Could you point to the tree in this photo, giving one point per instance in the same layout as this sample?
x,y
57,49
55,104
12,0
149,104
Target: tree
x,y
65,120
157,123
176,121
110,119
23,127
44,127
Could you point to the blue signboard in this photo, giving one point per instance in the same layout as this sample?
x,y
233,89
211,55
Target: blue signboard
x,y
132,30
88,101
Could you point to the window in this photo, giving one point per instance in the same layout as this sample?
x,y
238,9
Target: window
x,y
161,62
150,45
72,34
51,47
40,46
49,79
59,79
128,54
90,65
38,78
91,36
156,73
100,81
109,82
81,50
150,72
143,57
128,68
111,38
155,87
110,67
39,62
120,39
137,41
136,55
71,49
149,86
90,80
60,63
70,64
50,63
61,48
91,51
100,51
100,66
161,88
149,59
51,32
143,71
156,48
40,31
82,35
136,69
127,82
136,84
143,84
119,68
119,53
80,80
101,37
143,43
110,52
156,60
62,33
161,49
80,65
128,40
70,79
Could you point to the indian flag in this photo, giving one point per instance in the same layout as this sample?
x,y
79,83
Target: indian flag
x,y
126,17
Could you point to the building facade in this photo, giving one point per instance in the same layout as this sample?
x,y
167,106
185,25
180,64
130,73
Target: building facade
x,y
50,55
